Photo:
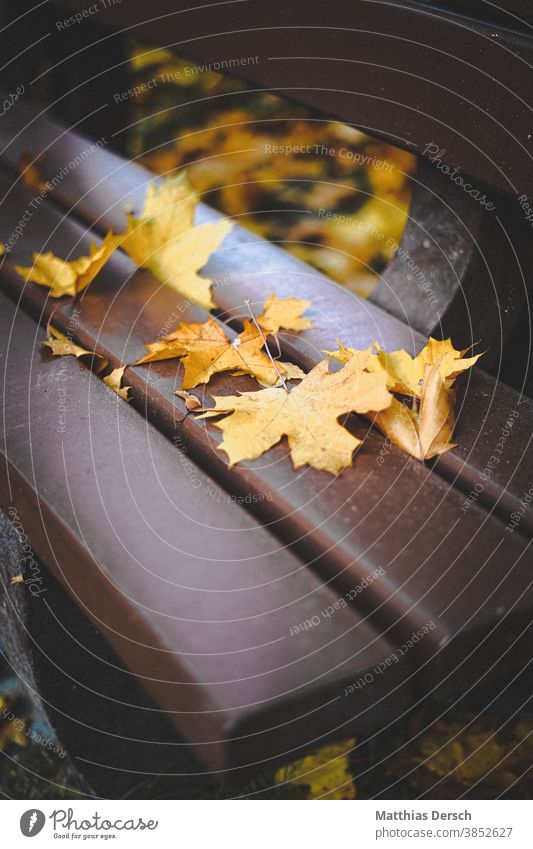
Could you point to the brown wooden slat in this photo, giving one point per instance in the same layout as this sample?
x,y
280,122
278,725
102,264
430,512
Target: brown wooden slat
x,y
408,72
459,570
196,596
96,192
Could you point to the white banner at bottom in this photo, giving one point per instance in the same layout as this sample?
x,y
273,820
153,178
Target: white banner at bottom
x,y
267,824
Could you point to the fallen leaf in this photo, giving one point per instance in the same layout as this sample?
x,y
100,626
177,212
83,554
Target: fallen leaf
x,y
405,374
470,754
114,379
423,433
16,579
69,278
436,418
307,415
188,337
290,371
425,429
399,423
206,350
165,240
31,171
451,361
284,314
191,401
325,772
62,346
243,354
2,249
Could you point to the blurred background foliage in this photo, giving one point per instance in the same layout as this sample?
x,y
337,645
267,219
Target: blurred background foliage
x,y
273,165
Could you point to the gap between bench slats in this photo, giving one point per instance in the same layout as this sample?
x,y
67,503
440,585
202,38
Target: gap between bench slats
x,y
460,571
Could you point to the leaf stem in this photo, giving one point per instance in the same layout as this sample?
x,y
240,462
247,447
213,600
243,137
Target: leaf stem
x,y
263,337
50,317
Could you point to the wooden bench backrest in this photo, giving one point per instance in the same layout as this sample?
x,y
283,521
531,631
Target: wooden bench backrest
x,y
410,72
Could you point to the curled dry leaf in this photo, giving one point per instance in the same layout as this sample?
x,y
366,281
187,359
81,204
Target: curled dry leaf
x,y
69,278
284,314
114,380
425,429
16,579
62,346
436,417
191,401
165,240
424,433
290,371
307,415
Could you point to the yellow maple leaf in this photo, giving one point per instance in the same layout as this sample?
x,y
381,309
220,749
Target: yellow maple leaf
x,y
165,240
307,415
69,278
425,430
284,314
188,337
436,416
289,371
206,350
405,374
243,354
114,380
62,346
326,772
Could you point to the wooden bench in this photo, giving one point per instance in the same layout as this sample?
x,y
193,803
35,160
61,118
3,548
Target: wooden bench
x,y
267,610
